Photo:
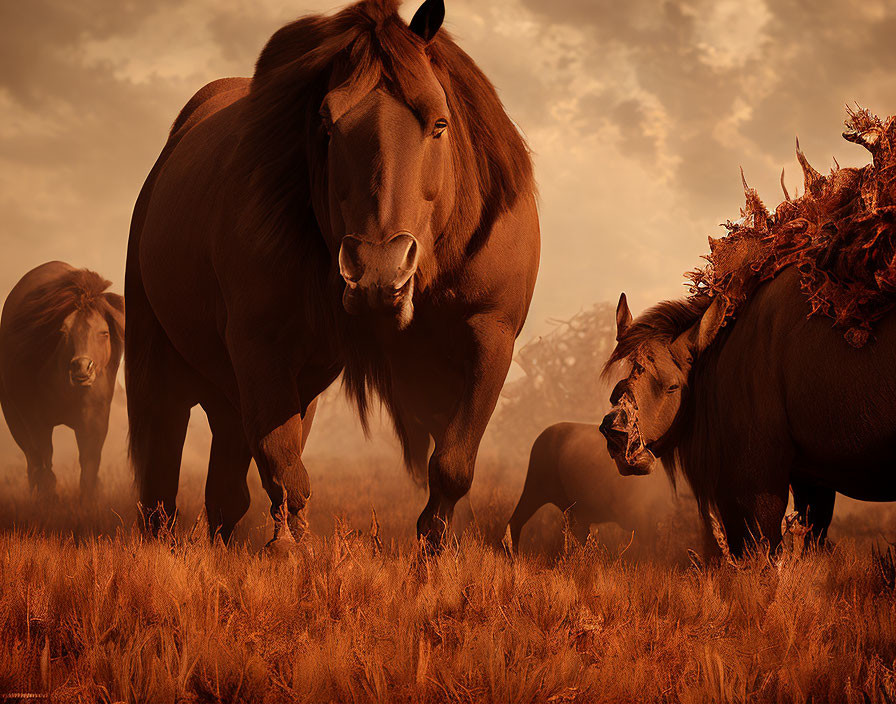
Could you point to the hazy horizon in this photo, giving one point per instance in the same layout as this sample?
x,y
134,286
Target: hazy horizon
x,y
638,114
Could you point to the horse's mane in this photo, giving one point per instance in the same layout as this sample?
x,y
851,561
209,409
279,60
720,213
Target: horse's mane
x,y
35,326
365,45
284,148
663,322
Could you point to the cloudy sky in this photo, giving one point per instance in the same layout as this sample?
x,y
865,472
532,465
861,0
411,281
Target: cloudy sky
x,y
639,114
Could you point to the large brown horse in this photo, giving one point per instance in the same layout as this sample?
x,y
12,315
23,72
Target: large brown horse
x,y
362,205
61,338
772,399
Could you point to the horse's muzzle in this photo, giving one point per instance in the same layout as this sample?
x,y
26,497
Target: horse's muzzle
x,y
615,433
82,372
624,442
379,276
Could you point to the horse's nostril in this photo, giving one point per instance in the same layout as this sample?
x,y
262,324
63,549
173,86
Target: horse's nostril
x,y
410,257
350,265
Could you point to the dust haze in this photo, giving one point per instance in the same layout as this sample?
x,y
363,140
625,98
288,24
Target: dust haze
x,y
638,114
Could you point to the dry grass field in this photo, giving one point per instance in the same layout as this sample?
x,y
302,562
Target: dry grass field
x,y
91,612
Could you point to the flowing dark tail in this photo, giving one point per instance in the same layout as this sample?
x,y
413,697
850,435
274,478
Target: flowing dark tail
x,y
142,342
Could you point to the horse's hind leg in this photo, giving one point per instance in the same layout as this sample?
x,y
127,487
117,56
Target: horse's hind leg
x,y
163,417
226,491
158,413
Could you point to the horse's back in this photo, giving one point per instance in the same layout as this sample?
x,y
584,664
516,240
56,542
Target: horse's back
x,y
581,454
836,402
590,478
566,461
208,100
39,277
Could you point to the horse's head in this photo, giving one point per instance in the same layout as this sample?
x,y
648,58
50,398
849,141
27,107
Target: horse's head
x,y
648,402
390,175
89,337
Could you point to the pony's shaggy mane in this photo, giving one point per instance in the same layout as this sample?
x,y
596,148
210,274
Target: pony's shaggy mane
x,y
35,327
284,150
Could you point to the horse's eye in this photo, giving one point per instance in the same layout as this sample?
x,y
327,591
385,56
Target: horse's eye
x,y
672,388
440,127
104,333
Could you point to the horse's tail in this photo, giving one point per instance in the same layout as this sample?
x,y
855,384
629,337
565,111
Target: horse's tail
x,y
141,343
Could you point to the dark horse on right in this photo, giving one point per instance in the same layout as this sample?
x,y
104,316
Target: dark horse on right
x,y
770,400
363,205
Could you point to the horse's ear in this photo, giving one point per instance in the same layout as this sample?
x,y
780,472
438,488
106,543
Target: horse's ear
x,y
623,317
711,323
694,341
428,19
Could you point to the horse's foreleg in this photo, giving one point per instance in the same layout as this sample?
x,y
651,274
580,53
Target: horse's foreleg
x,y
39,455
91,435
275,431
754,496
815,507
487,354
278,455
90,448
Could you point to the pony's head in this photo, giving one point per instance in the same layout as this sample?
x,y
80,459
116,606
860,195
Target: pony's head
x,y
74,325
660,348
89,336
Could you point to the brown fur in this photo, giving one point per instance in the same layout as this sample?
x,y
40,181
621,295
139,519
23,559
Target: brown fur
x,y
34,326
247,317
663,322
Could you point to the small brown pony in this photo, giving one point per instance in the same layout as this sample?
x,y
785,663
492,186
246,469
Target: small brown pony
x,y
362,205
772,400
61,338
570,468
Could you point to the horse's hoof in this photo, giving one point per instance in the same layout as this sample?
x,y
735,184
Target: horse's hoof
x,y
281,546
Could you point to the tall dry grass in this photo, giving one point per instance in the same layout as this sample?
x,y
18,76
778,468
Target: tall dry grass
x,y
94,613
